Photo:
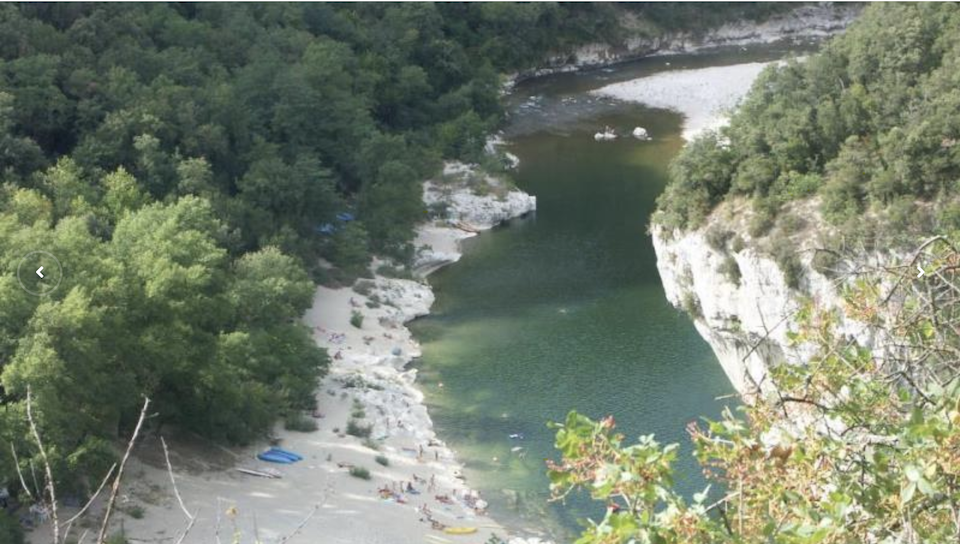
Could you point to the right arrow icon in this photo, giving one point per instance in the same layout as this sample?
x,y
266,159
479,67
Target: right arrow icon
x,y
920,271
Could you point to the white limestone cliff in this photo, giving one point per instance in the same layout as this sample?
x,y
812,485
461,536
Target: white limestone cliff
x,y
747,321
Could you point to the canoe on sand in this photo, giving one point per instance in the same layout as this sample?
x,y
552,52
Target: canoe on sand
x,y
273,457
460,530
287,453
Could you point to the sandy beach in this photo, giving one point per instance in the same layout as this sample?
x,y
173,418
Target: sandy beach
x,y
415,491
704,95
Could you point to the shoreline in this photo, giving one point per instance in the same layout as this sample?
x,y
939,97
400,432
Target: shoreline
x,y
803,23
416,489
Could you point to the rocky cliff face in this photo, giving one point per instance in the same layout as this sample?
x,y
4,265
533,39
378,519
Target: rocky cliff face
x,y
812,21
746,319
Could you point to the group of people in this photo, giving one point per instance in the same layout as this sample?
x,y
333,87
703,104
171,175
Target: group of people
x,y
398,491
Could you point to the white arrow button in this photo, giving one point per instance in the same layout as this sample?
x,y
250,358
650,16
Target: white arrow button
x,y
920,273
40,272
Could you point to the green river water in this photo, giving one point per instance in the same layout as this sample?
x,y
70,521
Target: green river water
x,y
564,309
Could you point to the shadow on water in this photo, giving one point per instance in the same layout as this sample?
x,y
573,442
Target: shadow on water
x,y
565,309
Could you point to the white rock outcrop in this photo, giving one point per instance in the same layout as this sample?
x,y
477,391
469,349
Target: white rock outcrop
x,y
747,322
471,202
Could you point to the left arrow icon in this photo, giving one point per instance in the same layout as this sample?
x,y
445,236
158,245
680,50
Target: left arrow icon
x,y
40,272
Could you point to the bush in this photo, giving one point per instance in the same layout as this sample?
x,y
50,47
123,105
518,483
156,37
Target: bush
x,y
300,423
737,244
382,460
10,530
372,444
717,238
136,511
791,223
356,319
358,429
691,304
763,219
789,263
730,269
360,472
357,412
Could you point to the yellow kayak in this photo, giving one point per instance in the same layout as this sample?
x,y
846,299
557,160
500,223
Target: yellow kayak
x,y
460,530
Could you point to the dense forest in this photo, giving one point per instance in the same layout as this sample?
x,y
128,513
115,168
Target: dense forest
x,y
191,164
869,127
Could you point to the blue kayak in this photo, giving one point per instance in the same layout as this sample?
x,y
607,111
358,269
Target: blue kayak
x,y
274,457
287,453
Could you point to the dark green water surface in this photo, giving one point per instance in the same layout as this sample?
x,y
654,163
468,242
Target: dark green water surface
x,y
565,310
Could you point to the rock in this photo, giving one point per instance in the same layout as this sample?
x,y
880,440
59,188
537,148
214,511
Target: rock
x,y
640,133
747,322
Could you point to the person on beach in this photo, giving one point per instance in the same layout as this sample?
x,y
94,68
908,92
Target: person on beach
x,y
420,453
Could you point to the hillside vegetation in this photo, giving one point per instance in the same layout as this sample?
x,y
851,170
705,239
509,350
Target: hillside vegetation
x,y
868,126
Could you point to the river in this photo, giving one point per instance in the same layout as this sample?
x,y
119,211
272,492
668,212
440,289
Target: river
x,y
564,310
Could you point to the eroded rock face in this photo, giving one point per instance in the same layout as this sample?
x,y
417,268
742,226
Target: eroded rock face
x,y
813,21
471,202
747,320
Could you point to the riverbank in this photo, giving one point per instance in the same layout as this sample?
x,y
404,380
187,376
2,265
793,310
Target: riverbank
x,y
805,23
703,96
373,471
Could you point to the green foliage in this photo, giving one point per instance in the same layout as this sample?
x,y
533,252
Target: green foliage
x,y
691,304
358,429
730,269
10,530
718,237
382,460
360,472
300,423
870,119
356,319
785,255
136,511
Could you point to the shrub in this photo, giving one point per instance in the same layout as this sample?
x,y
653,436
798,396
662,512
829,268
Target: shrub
x,y
737,244
357,411
356,319
691,304
363,287
791,223
136,511
358,429
763,219
360,472
10,530
300,423
371,444
717,238
382,460
789,263
730,269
